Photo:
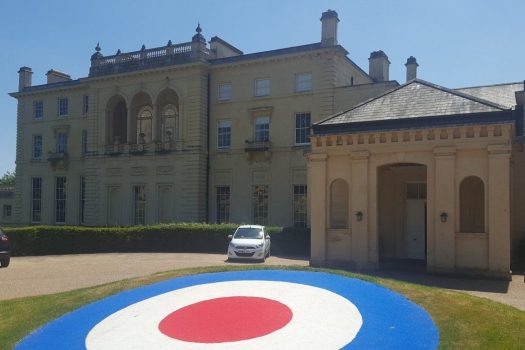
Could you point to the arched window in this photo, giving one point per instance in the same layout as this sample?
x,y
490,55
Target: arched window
x,y
144,124
169,122
339,204
117,115
472,205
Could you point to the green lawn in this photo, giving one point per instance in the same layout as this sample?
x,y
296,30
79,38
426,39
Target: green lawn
x,y
464,321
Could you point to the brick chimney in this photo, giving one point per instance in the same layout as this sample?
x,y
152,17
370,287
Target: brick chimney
x,y
54,76
24,77
329,20
411,68
379,66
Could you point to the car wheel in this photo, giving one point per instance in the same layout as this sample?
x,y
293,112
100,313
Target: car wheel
x,y
5,262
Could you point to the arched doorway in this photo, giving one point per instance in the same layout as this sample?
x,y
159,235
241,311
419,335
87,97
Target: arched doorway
x,y
117,116
402,212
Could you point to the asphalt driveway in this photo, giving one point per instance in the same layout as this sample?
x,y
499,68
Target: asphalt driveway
x,y
37,275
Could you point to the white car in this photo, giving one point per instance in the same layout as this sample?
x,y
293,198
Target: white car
x,y
249,242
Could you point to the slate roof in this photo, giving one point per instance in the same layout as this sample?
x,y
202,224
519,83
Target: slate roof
x,y
411,101
502,94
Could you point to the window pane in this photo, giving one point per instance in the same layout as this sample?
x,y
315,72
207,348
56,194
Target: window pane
x,y
60,199
139,195
63,107
61,142
36,199
223,204
225,92
224,134
302,128
303,82
262,87
82,199
85,107
38,109
37,146
262,129
260,204
299,205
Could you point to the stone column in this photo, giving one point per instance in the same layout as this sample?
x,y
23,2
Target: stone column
x,y
498,200
317,187
359,203
155,124
130,135
445,198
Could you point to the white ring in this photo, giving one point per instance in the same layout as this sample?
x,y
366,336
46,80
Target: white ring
x,y
321,319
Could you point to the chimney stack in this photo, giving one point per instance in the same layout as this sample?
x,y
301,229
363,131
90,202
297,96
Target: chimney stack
x,y
411,68
24,78
329,20
379,66
54,76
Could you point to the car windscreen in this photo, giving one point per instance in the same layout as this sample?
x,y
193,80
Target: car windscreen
x,y
248,232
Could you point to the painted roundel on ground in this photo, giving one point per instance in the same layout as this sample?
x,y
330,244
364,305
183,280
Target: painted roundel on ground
x,y
245,310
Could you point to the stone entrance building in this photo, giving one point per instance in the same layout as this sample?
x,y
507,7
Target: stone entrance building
x,y
421,172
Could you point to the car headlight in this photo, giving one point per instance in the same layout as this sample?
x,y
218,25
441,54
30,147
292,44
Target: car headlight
x,y
232,245
259,245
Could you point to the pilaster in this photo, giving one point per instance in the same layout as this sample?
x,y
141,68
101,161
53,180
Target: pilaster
x,y
359,203
317,188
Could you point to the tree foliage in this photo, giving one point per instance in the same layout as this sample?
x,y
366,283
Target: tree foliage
x,y
8,179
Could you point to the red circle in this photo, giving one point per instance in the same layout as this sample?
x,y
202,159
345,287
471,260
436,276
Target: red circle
x,y
226,320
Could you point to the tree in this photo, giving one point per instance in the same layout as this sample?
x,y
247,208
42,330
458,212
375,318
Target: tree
x,y
8,179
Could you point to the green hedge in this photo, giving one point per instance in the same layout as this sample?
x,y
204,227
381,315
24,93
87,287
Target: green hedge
x,y
191,237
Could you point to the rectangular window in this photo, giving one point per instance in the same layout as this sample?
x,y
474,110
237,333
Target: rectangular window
x,y
85,104
37,146
63,107
302,128
224,136
61,142
36,199
139,205
299,205
84,142
225,92
223,204
262,129
262,87
303,82
82,199
6,211
60,200
260,204
38,109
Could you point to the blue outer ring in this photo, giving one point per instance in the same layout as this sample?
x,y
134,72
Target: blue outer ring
x,y
390,321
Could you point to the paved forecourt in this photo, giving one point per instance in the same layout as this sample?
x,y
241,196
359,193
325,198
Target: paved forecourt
x,y
245,310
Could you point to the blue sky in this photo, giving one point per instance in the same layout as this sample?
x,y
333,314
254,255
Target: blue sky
x,y
456,42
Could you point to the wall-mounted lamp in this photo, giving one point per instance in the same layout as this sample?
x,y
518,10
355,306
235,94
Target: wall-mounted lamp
x,y
359,215
444,217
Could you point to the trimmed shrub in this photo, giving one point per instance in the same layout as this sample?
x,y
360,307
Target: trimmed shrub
x,y
183,237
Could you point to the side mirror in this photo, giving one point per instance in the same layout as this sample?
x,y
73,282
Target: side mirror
x,y
267,236
230,237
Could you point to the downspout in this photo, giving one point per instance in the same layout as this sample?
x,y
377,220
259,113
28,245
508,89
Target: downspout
x,y
208,99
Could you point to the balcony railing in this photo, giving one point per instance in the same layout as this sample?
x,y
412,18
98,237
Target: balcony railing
x,y
257,146
138,149
142,59
114,149
164,147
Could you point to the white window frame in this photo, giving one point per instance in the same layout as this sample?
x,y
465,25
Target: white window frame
x,y
262,120
298,214
224,91
262,87
224,133
60,200
38,109
302,129
260,205
223,203
303,82
63,107
36,198
139,205
62,142
35,143
85,105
